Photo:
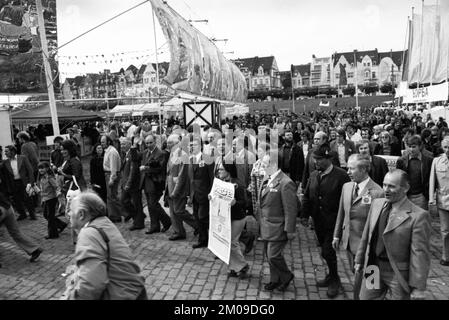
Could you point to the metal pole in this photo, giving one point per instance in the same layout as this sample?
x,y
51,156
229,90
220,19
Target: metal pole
x,y
293,91
356,82
157,70
107,102
47,68
420,46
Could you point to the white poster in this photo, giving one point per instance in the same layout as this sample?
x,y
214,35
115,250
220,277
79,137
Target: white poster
x,y
391,161
427,94
220,219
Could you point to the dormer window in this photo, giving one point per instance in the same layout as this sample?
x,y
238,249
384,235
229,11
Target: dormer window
x,y
260,71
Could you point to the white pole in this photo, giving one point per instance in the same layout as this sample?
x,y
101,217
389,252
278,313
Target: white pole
x,y
356,82
420,46
47,67
157,69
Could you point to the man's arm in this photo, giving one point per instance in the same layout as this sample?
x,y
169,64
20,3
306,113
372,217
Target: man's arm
x,y
420,252
290,206
340,219
29,170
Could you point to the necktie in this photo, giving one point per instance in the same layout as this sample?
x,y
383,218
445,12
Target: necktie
x,y
383,221
265,183
355,192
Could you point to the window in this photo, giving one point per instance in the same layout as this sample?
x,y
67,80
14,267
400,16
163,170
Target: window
x,y
337,76
260,81
374,75
350,74
260,71
364,64
266,82
367,74
255,82
368,64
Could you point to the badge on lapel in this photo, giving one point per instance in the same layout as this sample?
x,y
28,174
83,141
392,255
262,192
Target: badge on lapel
x,y
201,164
366,199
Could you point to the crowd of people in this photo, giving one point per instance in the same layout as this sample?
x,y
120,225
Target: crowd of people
x,y
326,169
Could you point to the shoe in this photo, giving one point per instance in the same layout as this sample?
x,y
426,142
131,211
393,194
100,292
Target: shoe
x,y
444,262
63,228
232,274
151,231
324,283
165,229
284,285
176,237
20,218
36,253
243,274
132,228
334,288
271,286
250,245
199,245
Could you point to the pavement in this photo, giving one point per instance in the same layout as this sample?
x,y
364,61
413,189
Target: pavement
x,y
175,271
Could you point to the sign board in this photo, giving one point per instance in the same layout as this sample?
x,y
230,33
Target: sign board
x,y
391,161
50,139
220,219
438,92
201,113
5,124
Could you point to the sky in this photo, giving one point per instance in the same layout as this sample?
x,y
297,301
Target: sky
x,y
290,30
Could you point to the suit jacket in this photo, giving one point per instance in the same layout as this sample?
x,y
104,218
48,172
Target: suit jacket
x,y
349,228
177,183
26,172
426,165
201,177
130,170
379,168
309,166
30,151
349,148
321,200
278,208
152,180
406,239
439,182
296,162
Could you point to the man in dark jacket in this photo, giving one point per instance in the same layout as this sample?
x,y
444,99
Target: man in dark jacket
x,y
418,166
291,158
321,201
379,166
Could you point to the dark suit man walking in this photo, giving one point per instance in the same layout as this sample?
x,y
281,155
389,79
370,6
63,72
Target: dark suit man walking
x,y
152,181
20,169
201,177
379,166
321,201
291,159
278,211
396,242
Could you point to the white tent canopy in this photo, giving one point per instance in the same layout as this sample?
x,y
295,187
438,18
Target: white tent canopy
x,y
137,109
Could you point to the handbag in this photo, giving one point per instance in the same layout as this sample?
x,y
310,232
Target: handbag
x,y
71,194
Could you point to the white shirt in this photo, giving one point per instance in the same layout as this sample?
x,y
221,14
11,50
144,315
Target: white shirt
x,y
15,168
131,131
273,176
362,185
112,161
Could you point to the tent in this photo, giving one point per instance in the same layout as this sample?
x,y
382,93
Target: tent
x,y
136,109
42,113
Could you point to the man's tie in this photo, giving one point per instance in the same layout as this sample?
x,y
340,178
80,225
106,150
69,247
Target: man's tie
x,y
383,221
355,192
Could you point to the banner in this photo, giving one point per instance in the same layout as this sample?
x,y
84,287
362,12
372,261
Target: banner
x,y
391,161
197,66
427,94
220,219
20,47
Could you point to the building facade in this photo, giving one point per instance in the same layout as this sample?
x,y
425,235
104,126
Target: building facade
x,y
320,72
261,73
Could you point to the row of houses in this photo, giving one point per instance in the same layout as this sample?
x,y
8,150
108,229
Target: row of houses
x,y
135,82
340,70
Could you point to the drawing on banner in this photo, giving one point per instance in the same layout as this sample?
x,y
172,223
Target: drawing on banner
x,y
220,219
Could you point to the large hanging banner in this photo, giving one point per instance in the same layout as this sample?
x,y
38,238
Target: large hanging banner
x,y
427,94
220,219
197,66
20,49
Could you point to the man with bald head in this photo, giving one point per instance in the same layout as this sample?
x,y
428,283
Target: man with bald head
x,y
395,243
177,188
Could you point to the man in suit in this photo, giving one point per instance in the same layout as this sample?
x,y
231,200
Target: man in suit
x,y
343,148
201,177
152,181
21,170
355,201
29,150
395,241
131,196
417,165
177,188
379,166
321,200
278,210
291,158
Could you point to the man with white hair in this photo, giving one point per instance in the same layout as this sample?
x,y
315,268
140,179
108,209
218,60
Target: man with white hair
x,y
104,263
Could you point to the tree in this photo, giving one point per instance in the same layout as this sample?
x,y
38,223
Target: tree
x,y
349,91
386,88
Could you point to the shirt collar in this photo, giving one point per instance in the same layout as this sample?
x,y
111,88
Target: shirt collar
x,y
327,171
419,157
273,176
363,184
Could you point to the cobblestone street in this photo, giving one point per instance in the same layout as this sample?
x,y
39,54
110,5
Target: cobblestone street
x,y
173,270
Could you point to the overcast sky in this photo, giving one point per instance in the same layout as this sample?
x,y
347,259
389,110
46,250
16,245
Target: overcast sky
x,y
291,30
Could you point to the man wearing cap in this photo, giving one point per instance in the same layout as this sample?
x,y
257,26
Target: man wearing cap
x,y
321,201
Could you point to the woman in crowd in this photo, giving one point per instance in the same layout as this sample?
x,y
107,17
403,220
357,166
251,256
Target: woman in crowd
x,y
238,267
387,147
72,167
97,179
